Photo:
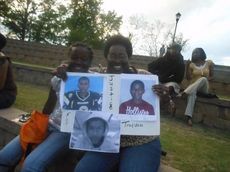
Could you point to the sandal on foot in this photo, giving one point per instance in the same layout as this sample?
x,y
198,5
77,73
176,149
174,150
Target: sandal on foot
x,y
189,121
172,108
24,117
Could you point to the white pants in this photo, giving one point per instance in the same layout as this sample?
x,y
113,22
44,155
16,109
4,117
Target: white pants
x,y
200,85
174,85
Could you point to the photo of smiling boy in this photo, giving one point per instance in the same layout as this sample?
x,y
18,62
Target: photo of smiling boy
x,y
136,105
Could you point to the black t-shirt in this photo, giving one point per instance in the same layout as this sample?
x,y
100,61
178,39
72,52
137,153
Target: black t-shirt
x,y
168,70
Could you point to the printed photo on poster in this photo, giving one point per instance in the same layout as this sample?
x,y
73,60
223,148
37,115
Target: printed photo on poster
x,y
95,131
137,97
83,93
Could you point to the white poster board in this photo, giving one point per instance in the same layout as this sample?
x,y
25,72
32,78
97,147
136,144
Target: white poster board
x,y
128,96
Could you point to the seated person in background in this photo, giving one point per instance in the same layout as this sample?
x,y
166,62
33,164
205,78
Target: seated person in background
x,y
199,72
56,142
136,105
8,89
82,99
170,70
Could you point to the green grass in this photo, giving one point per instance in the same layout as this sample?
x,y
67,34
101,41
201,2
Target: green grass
x,y
196,148
189,149
31,97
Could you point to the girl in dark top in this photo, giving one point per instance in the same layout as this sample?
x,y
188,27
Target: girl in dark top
x,y
8,89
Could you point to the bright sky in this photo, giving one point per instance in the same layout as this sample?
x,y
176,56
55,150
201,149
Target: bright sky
x,y
206,23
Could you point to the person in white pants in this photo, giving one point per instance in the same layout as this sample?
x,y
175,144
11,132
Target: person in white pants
x,y
199,72
200,85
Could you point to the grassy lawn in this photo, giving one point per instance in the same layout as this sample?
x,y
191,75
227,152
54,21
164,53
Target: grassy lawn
x,y
188,149
196,148
31,97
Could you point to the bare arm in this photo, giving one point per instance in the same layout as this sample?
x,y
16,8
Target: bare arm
x,y
50,103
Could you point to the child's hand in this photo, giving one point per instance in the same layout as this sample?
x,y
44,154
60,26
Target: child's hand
x,y
160,90
60,72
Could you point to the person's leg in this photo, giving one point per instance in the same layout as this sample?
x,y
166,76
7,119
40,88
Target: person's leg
x,y
10,155
201,83
204,86
97,162
191,91
174,90
190,104
49,150
142,158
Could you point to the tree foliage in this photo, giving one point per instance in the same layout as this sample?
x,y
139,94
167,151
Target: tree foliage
x,y
3,7
49,21
18,16
50,24
87,22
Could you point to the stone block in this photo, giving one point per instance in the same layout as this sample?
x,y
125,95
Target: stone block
x,y
222,124
224,113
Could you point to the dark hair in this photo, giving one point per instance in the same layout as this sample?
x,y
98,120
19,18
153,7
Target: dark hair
x,y
175,46
2,41
95,119
139,82
118,40
83,78
202,54
80,44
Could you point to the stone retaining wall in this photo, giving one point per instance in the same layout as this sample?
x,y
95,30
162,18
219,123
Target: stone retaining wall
x,y
42,75
32,74
52,55
211,112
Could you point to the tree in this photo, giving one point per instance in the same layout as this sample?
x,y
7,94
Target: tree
x,y
17,16
35,20
149,37
87,22
50,22
49,26
4,9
